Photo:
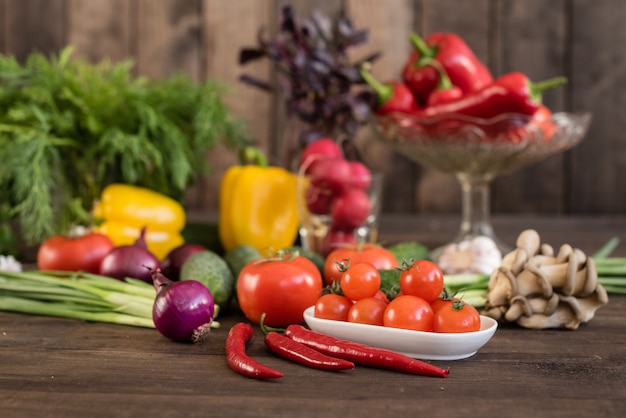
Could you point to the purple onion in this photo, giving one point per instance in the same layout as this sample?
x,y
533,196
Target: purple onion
x,y
173,262
182,311
134,261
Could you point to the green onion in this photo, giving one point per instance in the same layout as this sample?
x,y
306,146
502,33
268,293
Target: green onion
x,y
606,249
611,270
84,296
477,297
66,310
472,288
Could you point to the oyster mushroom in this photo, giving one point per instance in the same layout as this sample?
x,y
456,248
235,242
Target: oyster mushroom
x,y
528,241
536,288
521,306
571,277
570,312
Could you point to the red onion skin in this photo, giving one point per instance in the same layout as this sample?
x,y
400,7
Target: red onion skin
x,y
129,261
173,262
182,311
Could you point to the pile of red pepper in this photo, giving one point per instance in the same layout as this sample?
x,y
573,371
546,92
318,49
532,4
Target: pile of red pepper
x,y
443,79
319,351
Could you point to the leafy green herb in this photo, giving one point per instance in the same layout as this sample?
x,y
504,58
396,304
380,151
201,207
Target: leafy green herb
x,y
68,128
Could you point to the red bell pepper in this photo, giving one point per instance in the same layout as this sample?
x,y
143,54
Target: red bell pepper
x,y
541,120
510,93
456,57
445,91
393,96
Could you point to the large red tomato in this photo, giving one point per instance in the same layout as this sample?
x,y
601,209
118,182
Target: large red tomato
x,y
82,253
280,287
378,256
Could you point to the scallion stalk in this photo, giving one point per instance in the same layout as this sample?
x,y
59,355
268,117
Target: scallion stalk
x,y
78,295
606,250
128,286
67,310
611,270
477,297
472,288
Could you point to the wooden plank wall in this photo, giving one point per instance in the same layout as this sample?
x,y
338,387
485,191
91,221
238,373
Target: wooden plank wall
x,y
582,39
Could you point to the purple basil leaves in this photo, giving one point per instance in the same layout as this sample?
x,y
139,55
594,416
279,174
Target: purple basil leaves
x,y
314,75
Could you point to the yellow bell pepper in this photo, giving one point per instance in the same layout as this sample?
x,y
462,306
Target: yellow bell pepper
x,y
257,205
124,210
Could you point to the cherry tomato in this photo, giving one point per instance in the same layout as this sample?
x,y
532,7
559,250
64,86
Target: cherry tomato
x,y
424,279
332,306
409,312
380,257
361,280
83,253
367,311
282,287
455,317
439,303
382,296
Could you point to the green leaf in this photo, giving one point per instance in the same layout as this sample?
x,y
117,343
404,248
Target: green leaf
x,y
69,128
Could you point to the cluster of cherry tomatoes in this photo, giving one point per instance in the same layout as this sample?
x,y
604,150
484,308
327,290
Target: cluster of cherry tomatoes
x,y
338,189
356,297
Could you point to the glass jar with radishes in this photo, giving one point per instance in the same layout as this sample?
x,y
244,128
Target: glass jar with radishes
x,y
339,199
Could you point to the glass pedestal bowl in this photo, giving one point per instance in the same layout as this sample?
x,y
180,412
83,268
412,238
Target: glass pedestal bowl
x,y
477,151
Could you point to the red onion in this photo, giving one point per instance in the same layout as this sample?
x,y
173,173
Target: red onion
x,y
182,311
173,262
130,261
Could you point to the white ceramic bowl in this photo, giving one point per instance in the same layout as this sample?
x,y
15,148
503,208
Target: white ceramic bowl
x,y
416,344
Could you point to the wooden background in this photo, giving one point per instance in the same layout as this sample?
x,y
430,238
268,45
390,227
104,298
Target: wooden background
x,y
582,39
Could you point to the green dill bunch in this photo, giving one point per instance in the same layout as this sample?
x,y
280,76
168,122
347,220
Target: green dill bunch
x,y
68,128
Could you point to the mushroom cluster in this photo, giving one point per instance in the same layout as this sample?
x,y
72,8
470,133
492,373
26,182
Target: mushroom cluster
x,y
536,288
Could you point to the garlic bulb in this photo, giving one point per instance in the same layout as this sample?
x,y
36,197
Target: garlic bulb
x,y
9,263
479,255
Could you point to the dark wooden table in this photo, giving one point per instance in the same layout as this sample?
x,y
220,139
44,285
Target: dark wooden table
x,y
64,368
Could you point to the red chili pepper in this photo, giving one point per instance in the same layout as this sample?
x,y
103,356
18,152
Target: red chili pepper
x,y
510,93
465,70
237,358
362,353
302,354
393,96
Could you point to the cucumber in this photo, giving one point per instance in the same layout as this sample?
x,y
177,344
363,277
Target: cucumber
x,y
209,268
238,257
